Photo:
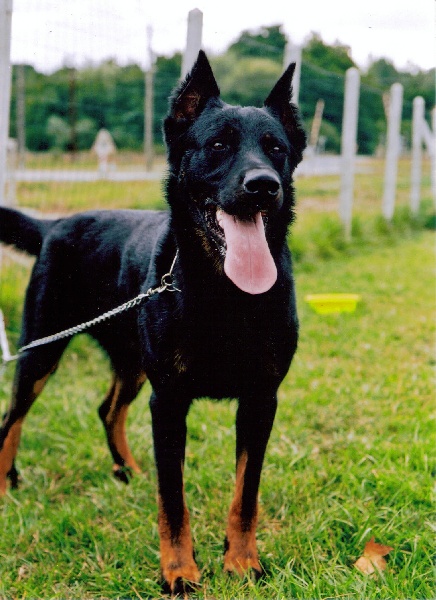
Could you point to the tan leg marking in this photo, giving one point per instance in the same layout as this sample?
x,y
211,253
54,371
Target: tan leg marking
x,y
177,555
39,385
115,423
118,433
12,441
8,453
241,555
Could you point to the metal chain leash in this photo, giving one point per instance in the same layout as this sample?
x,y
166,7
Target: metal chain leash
x,y
166,284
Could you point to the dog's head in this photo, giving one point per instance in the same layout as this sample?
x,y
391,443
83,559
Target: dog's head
x,y
230,172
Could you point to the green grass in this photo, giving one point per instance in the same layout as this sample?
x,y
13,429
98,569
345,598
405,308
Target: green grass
x,y
123,160
351,455
72,196
66,197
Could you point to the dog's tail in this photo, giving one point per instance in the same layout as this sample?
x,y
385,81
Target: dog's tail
x,y
22,231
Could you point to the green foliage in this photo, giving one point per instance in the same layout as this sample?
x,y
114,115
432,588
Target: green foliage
x,y
247,81
86,131
371,127
332,136
166,77
378,79
326,240
420,83
323,77
121,92
335,58
266,42
65,109
381,72
316,84
58,132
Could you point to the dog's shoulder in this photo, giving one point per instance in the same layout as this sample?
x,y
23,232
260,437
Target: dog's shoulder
x,y
118,245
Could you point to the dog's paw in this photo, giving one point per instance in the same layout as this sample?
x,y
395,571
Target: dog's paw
x,y
179,569
243,566
180,588
181,580
14,481
124,474
14,478
242,561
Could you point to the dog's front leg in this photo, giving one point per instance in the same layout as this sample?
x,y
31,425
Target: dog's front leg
x,y
177,552
254,421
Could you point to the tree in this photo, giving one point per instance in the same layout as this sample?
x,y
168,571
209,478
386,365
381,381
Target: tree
x,y
109,96
378,79
247,81
334,59
266,42
59,132
381,73
166,76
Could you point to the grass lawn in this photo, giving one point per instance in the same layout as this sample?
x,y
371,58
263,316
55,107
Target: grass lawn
x,y
351,455
74,196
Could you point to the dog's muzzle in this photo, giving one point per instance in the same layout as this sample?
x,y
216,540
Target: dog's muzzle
x,y
238,228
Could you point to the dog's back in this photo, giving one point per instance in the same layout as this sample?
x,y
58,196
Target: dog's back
x,y
107,252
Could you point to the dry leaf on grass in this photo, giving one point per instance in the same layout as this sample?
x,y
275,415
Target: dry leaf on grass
x,y
372,557
23,572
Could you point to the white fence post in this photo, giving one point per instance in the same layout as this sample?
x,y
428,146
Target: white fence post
x,y
348,147
433,156
293,54
416,168
393,149
429,138
193,40
5,89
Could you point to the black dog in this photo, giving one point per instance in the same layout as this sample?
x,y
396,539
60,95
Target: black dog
x,y
229,332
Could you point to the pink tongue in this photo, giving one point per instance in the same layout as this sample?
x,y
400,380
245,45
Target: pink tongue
x,y
248,261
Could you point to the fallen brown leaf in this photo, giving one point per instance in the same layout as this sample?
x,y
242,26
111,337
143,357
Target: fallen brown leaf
x,y
372,557
23,572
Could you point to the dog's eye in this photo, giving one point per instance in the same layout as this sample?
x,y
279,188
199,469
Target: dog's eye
x,y
276,149
218,145
273,147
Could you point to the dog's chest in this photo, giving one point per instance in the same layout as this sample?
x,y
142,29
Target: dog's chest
x,y
221,354
217,345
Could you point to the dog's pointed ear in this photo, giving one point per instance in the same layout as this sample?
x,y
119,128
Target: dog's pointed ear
x,y
279,102
188,102
198,87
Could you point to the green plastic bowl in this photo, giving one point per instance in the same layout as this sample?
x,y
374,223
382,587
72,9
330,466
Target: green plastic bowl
x,y
325,304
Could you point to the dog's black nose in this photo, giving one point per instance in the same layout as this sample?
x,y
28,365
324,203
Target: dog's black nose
x,y
261,182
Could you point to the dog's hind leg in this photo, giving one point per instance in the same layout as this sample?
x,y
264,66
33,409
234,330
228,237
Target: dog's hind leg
x,y
113,413
32,372
253,426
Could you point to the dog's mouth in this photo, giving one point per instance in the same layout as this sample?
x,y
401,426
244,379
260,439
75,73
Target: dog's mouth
x,y
242,243
214,228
